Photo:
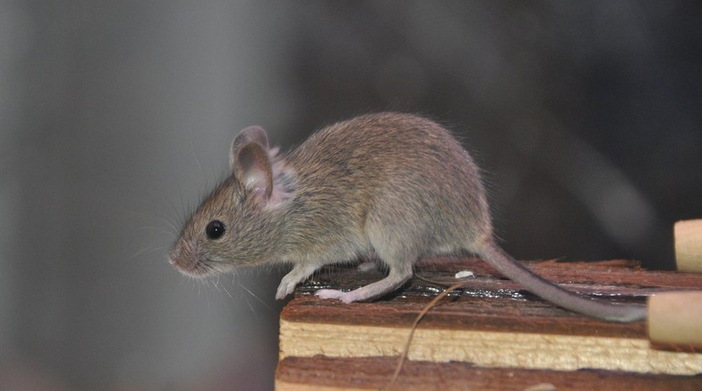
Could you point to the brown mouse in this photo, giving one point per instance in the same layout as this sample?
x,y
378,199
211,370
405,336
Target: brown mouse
x,y
395,185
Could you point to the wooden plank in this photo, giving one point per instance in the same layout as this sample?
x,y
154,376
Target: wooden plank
x,y
371,373
492,323
486,348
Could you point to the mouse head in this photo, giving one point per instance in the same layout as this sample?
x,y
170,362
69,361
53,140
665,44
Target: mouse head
x,y
230,228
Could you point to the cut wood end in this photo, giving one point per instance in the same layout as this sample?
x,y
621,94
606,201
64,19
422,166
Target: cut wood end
x,y
688,245
675,318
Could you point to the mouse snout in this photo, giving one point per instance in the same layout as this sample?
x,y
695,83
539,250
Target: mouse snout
x,y
173,256
186,258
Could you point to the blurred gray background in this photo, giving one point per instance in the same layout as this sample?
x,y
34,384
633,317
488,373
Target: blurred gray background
x,y
115,118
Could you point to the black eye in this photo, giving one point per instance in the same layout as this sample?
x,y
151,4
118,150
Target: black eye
x,y
215,229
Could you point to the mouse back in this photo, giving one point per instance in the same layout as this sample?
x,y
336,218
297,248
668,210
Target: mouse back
x,y
399,167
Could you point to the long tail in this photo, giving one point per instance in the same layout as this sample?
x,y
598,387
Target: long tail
x,y
549,291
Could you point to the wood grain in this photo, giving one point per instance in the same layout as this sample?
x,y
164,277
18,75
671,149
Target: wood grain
x,y
491,328
371,373
492,322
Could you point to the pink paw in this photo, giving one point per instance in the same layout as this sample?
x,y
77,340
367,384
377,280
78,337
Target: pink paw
x,y
346,297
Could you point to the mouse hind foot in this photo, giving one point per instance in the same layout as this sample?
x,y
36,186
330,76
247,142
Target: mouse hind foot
x,y
368,292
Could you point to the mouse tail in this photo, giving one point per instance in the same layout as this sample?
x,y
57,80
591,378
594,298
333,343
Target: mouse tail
x,y
549,291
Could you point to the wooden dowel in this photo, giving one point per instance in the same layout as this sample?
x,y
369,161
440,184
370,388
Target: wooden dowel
x,y
675,318
688,245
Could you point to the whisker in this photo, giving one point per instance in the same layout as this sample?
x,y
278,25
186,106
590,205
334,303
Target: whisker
x,y
225,290
255,297
144,250
248,303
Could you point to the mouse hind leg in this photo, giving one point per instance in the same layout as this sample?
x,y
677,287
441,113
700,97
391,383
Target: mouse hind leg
x,y
395,278
399,258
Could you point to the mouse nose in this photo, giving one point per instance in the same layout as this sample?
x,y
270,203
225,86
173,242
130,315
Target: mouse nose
x,y
179,257
171,257
185,258
174,254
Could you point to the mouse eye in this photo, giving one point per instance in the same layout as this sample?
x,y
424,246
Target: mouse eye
x,y
214,230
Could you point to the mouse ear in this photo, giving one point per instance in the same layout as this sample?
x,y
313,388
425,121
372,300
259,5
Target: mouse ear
x,y
253,169
254,134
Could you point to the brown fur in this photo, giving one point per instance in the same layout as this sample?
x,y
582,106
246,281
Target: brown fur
x,y
396,185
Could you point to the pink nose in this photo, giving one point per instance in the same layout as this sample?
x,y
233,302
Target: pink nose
x,y
181,258
187,259
172,255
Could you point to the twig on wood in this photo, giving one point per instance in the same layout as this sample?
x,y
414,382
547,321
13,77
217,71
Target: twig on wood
x,y
421,314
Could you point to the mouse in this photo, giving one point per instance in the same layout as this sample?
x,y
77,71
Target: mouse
x,y
394,186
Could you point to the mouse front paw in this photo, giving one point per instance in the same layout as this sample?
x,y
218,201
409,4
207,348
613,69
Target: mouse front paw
x,y
284,289
282,292
297,275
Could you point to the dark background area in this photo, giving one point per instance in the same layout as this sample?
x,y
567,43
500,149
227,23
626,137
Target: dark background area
x,y
115,118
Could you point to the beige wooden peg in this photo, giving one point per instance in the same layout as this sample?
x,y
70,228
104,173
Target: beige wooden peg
x,y
688,246
675,318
